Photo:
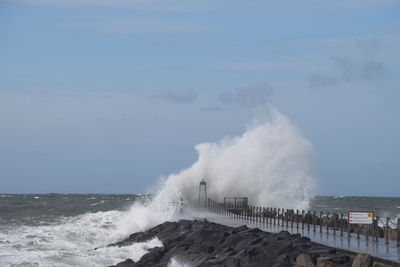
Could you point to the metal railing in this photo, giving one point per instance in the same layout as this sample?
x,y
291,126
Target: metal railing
x,y
334,223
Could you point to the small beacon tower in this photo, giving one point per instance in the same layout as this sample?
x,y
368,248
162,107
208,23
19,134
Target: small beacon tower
x,y
203,194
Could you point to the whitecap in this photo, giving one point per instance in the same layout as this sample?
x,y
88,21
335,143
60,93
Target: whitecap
x,y
71,242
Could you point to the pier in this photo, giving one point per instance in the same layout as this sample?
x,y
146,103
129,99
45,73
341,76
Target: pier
x,y
380,239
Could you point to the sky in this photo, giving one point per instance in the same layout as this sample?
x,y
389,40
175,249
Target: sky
x,y
106,96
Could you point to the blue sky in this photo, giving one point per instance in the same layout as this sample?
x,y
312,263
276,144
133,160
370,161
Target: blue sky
x,y
106,96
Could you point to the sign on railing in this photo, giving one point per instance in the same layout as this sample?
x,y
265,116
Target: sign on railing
x,y
361,217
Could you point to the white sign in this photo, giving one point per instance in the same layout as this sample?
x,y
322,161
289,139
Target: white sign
x,y
361,217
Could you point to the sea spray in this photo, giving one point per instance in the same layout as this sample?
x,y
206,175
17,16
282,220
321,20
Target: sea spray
x,y
271,163
68,241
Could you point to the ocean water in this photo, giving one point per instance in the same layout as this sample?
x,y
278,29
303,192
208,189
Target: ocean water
x,y
381,206
65,230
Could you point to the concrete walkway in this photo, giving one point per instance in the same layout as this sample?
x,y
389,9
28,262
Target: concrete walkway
x,y
378,249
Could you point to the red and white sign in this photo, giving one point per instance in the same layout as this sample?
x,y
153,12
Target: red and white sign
x,y
361,217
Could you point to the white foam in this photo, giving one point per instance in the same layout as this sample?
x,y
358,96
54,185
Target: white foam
x,y
174,262
271,163
69,243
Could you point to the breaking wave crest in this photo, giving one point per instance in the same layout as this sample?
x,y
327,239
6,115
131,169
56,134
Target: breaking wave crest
x,y
270,163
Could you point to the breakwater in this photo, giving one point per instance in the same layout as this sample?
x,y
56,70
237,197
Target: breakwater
x,y
380,239
203,243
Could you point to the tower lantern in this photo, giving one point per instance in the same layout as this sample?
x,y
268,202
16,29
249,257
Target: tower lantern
x,y
203,194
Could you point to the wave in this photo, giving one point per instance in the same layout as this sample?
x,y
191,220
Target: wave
x,y
70,242
270,163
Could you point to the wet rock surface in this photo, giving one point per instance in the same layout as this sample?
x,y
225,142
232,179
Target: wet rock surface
x,y
203,243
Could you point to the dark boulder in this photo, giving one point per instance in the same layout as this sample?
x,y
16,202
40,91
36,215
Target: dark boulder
x,y
203,243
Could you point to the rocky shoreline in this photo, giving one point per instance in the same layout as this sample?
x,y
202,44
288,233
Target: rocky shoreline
x,y
203,243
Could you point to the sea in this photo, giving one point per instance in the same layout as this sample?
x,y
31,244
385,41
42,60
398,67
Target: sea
x,y
75,229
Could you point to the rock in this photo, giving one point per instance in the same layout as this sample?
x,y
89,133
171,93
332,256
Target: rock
x,y
203,243
304,260
362,260
127,263
324,262
378,264
202,220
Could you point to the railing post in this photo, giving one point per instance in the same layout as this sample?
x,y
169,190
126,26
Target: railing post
x,y
334,224
214,207
278,216
287,218
272,218
341,225
398,232
297,220
358,231
320,222
308,221
302,220
327,223
387,231
314,222
291,220
274,214
263,215
376,229
283,215
348,228
251,213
